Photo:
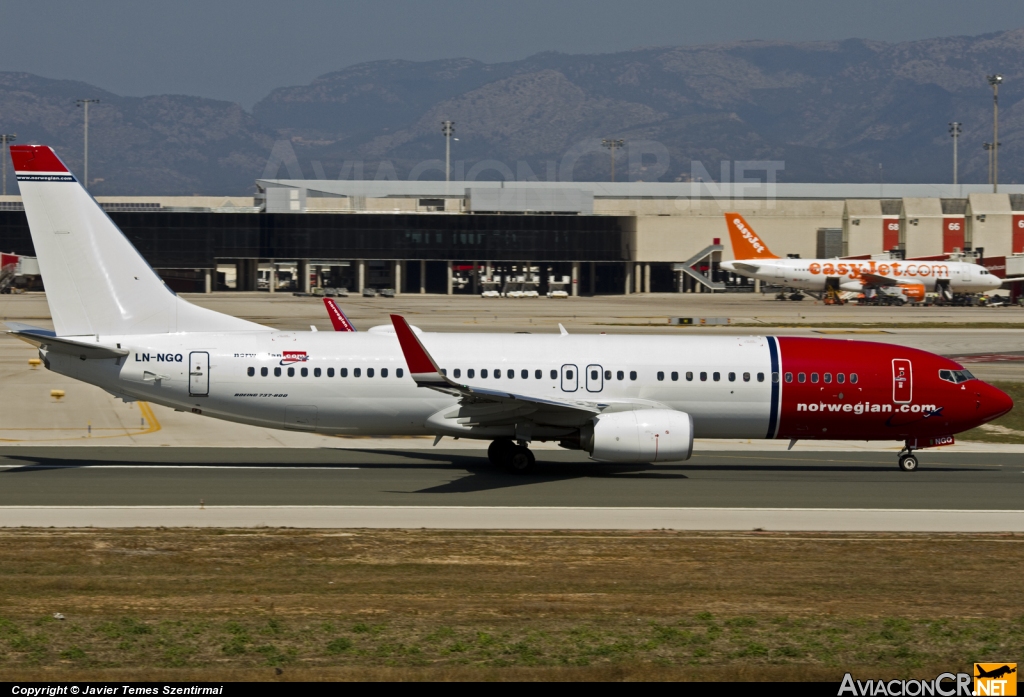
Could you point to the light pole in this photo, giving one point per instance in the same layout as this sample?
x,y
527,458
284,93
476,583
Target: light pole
x,y
994,80
85,103
6,139
613,145
954,131
991,151
448,130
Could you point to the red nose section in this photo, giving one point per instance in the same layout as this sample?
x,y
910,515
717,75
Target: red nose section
x,y
994,402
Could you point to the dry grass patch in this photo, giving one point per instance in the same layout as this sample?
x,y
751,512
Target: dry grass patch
x,y
515,605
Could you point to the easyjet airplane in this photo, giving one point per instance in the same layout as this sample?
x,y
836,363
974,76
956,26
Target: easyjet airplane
x,y
628,399
913,277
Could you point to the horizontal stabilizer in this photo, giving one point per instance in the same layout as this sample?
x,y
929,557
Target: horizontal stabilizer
x,y
45,340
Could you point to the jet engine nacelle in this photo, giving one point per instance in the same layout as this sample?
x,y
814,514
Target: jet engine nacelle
x,y
913,291
643,435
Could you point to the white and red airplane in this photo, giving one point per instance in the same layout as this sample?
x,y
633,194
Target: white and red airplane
x,y
628,399
913,277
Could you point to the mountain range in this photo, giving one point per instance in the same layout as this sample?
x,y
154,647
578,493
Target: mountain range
x,y
842,111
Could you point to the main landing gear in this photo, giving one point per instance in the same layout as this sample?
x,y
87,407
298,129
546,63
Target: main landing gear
x,y
516,458
908,461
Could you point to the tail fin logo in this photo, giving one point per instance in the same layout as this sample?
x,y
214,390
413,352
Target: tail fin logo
x,y
745,242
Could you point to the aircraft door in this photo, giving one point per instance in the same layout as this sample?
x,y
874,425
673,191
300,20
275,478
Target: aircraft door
x,y
595,378
199,374
780,272
965,273
570,379
902,381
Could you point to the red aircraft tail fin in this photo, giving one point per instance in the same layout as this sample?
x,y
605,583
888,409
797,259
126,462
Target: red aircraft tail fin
x,y
338,318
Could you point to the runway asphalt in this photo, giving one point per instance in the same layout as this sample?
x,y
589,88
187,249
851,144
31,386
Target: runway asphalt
x,y
136,476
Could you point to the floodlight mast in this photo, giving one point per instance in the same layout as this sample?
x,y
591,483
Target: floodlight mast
x,y
954,131
85,103
995,81
448,130
613,145
6,139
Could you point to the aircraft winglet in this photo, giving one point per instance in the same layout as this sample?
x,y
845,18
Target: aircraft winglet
x,y
338,319
422,368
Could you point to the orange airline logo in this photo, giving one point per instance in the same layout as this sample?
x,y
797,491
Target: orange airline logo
x,y
745,242
895,269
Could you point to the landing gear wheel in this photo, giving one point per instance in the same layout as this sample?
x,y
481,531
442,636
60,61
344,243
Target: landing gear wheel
x,y
498,452
520,460
908,462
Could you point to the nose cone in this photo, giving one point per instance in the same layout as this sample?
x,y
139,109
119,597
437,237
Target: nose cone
x,y
993,402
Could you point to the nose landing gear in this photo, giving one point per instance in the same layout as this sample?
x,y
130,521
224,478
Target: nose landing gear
x,y
515,458
908,461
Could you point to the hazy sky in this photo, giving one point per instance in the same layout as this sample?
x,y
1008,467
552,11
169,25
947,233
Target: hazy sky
x,y
240,50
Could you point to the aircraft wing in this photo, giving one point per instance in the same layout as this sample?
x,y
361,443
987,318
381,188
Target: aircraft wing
x,y
874,279
480,405
47,340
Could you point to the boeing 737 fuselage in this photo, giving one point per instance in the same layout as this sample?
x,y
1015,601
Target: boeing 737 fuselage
x,y
635,399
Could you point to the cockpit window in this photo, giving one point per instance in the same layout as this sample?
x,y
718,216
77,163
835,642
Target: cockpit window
x,y
955,376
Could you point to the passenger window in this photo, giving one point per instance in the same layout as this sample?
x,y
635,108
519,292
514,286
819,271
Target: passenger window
x,y
316,372
853,378
251,371
661,375
399,372
619,375
524,374
593,374
305,372
263,372
732,377
840,378
675,376
632,375
814,377
357,372
828,378
789,377
497,374
689,376
444,371
568,375
384,372
510,374
716,376
471,373
538,374
457,373
554,374
703,377
277,372
801,377
483,372
291,372
607,375
746,377
343,372
369,372
330,372
775,377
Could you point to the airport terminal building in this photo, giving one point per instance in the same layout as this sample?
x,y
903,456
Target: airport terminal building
x,y
586,237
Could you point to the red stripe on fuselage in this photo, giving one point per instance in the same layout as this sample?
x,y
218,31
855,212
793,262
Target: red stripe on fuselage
x,y
866,410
